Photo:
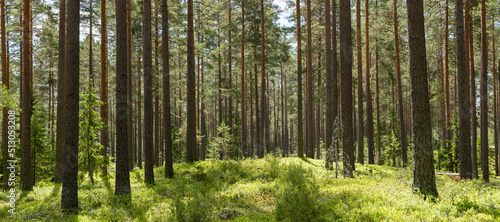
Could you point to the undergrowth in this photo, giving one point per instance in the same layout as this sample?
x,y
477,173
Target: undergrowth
x,y
269,189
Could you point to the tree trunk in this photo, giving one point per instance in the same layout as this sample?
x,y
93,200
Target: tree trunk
x,y
129,86
69,193
472,76
263,82
156,76
447,79
122,185
346,87
5,83
148,96
191,144
402,128
300,132
243,92
230,85
258,134
423,167
484,96
169,169
26,94
495,100
359,64
61,93
369,107
139,116
463,103
310,125
104,89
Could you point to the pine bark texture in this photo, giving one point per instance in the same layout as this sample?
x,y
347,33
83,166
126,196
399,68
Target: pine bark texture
x,y
61,93
346,87
122,184
148,96
69,190
167,124
463,97
484,96
423,167
191,144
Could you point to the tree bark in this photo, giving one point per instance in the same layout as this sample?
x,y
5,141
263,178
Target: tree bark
x,y
122,184
484,96
263,82
191,144
369,107
61,93
139,116
148,96
447,78
27,181
167,124
104,88
402,128
300,132
423,167
359,64
69,193
129,87
5,83
243,92
472,76
463,99
346,87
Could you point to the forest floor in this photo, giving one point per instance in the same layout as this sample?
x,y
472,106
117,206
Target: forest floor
x,y
270,189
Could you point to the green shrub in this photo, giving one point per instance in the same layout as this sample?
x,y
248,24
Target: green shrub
x,y
297,195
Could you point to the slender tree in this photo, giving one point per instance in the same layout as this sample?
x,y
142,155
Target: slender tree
x,y
169,169
359,64
472,76
402,128
447,78
5,83
129,86
104,87
69,193
346,87
139,116
243,92
463,98
329,86
148,96
263,81
423,167
495,101
191,144
300,132
27,181
122,184
484,96
369,107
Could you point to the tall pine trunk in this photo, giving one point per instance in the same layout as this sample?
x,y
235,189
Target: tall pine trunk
x,y
423,168
5,83
359,64
346,87
69,190
300,132
61,93
104,88
369,107
484,96
191,144
402,128
122,184
167,124
463,98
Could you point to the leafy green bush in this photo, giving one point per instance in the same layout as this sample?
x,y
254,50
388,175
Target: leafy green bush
x,y
297,195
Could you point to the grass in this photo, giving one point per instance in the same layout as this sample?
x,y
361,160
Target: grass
x,y
270,189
